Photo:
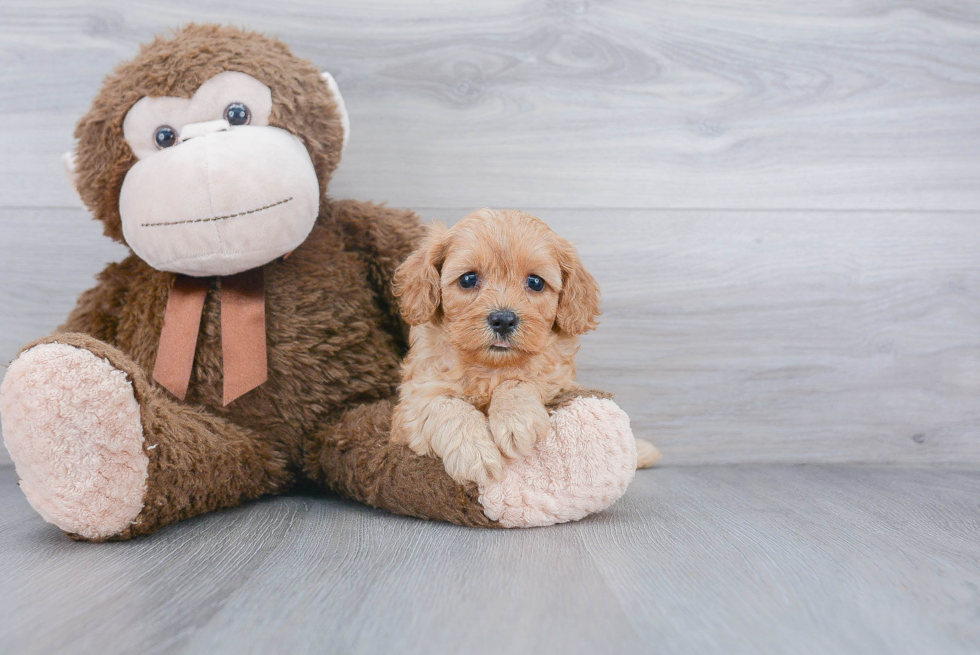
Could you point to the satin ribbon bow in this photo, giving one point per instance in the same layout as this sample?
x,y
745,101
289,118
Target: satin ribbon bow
x,y
243,348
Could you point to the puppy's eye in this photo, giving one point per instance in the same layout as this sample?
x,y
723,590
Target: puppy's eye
x,y
237,114
165,136
468,280
534,283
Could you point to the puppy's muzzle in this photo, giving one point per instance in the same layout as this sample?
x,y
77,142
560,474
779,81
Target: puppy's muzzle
x,y
503,321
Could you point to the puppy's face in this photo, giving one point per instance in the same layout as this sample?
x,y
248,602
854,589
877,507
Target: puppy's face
x,y
501,284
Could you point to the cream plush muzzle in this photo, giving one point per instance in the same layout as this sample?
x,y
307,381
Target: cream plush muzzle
x,y
224,198
208,206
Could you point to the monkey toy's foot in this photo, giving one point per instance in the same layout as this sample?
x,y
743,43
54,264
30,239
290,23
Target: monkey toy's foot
x,y
72,425
583,466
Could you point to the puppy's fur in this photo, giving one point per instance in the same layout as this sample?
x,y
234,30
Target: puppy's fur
x,y
468,394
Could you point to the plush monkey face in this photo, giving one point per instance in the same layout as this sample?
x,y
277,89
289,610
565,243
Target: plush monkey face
x,y
209,153
216,190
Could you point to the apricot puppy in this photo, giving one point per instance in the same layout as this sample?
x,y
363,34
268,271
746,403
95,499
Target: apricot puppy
x,y
497,304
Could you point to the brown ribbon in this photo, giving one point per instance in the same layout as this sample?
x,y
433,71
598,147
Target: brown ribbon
x,y
243,354
178,339
243,347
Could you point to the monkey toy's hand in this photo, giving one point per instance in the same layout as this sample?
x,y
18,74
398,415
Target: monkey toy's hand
x,y
582,465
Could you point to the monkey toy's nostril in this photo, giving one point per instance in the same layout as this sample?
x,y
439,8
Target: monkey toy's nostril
x,y
503,322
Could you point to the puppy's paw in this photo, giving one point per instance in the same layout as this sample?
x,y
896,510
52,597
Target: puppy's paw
x,y
480,462
516,427
474,457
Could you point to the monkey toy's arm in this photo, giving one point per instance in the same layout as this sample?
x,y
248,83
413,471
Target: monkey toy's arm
x,y
386,236
584,466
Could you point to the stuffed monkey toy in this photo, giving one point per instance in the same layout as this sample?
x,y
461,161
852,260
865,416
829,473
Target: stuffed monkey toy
x,y
251,342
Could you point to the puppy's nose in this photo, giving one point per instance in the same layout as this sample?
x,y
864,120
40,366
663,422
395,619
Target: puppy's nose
x,y
502,321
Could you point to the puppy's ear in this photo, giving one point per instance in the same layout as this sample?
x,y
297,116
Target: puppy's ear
x,y
578,302
417,279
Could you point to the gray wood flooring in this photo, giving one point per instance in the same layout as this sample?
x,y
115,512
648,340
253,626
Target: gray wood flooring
x,y
728,336
779,199
734,559
854,104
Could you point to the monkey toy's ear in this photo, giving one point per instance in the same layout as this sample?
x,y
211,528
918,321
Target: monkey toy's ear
x,y
68,160
341,107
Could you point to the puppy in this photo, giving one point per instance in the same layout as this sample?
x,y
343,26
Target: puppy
x,y
497,304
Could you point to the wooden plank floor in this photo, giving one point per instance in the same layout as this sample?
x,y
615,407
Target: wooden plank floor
x,y
779,199
736,559
727,336
855,104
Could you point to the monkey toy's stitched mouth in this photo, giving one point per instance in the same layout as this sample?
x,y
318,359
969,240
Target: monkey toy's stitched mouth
x,y
217,218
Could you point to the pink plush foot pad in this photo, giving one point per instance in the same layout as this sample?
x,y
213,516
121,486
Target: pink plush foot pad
x,y
584,466
72,426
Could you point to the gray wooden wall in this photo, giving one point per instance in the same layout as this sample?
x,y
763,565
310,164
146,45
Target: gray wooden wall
x,y
780,199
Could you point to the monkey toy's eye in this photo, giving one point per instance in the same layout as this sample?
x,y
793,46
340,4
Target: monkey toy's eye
x,y
468,280
534,283
165,136
237,114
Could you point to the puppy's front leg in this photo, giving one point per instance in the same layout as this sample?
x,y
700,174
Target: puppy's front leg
x,y
455,431
517,417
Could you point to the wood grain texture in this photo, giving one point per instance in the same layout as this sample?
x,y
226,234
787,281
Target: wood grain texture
x,y
854,104
727,336
693,560
732,336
